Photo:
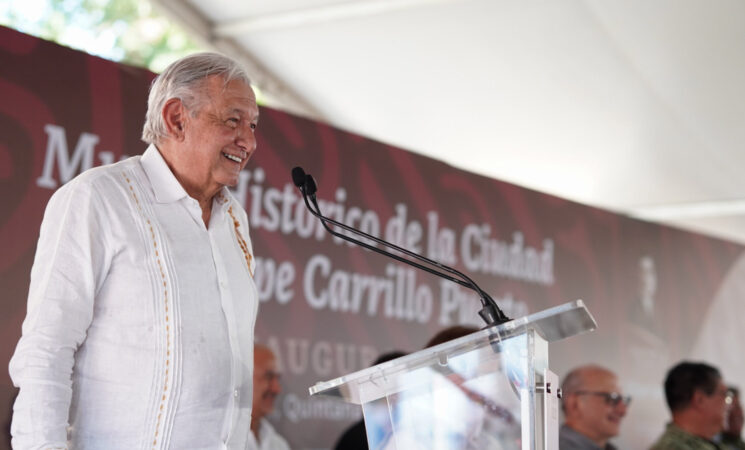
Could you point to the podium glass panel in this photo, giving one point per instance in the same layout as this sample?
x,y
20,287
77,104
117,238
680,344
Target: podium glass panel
x,y
481,391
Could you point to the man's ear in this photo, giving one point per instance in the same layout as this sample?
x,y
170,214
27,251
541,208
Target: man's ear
x,y
698,398
570,404
174,116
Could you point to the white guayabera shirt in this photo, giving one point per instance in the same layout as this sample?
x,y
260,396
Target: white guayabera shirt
x,y
139,331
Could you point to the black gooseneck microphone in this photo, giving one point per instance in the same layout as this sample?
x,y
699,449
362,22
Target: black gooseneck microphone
x,y
490,313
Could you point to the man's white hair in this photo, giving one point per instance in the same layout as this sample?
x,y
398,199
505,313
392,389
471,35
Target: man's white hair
x,y
183,79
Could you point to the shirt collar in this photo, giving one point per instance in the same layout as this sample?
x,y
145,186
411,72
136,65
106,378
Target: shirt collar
x,y
222,201
581,441
166,187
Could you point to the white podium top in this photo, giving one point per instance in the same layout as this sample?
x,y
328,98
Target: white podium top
x,y
552,324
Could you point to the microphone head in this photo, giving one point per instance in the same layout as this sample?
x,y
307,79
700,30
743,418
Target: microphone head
x,y
298,176
310,185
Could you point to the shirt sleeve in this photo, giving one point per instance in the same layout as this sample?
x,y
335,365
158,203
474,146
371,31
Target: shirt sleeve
x,y
69,267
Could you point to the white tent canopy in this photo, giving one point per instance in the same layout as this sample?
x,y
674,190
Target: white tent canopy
x,y
635,106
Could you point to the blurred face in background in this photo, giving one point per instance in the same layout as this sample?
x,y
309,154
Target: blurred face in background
x,y
597,408
713,408
734,421
266,386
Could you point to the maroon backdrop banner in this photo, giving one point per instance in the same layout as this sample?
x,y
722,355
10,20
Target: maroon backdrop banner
x,y
329,308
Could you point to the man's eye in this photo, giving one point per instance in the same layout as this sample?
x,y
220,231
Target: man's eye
x,y
253,126
233,121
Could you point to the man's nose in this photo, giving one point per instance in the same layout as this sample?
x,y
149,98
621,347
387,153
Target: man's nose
x,y
275,386
621,408
245,136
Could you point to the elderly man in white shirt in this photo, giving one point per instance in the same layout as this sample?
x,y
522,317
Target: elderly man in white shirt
x,y
266,389
142,305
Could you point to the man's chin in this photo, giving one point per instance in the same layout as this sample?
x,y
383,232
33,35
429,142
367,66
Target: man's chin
x,y
230,180
612,429
268,405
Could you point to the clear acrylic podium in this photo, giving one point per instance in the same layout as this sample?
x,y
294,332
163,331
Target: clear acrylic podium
x,y
488,390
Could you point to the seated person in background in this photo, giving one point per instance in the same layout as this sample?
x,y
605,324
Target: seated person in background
x,y
266,389
697,399
731,437
593,407
355,437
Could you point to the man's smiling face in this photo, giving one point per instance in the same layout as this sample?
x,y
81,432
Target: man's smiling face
x,y
219,135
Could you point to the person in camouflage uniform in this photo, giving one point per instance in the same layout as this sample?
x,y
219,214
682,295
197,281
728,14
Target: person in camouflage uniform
x,y
698,401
